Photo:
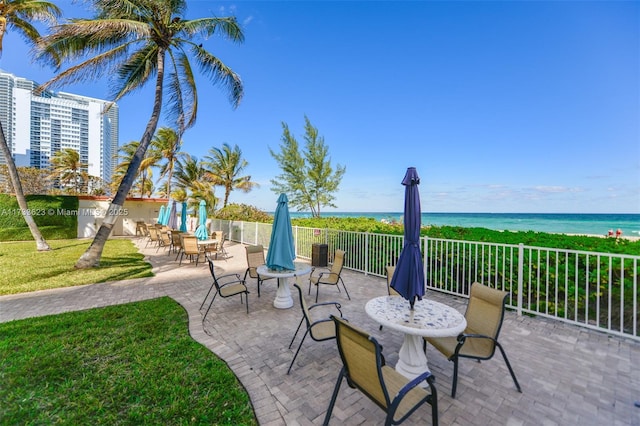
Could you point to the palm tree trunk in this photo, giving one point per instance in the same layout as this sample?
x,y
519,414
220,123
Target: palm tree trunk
x,y
91,257
41,243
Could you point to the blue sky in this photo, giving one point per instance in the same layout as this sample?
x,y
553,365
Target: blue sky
x,y
502,106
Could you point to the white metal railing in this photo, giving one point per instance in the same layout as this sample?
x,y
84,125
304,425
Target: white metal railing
x,y
595,290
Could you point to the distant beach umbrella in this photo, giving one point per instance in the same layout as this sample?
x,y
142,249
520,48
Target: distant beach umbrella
x,y
173,216
160,215
201,231
281,248
408,278
183,217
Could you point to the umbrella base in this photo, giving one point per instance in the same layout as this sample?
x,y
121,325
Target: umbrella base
x,y
283,298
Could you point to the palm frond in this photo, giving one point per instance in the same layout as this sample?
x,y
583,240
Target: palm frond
x,y
218,73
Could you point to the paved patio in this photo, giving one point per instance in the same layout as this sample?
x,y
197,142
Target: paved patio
x,y
569,375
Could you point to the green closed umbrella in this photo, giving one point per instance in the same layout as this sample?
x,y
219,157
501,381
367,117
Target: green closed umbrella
x,y
281,248
183,217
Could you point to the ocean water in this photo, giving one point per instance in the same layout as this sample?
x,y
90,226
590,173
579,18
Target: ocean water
x,y
562,223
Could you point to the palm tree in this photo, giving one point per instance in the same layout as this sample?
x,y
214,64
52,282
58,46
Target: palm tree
x,y
225,165
17,15
127,152
166,145
69,170
192,178
131,40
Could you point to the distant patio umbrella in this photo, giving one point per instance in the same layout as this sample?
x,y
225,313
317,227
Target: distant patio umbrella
x,y
281,249
173,216
160,215
408,278
167,213
183,217
201,230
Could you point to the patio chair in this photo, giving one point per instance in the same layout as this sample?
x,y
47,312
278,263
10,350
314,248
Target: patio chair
x,y
176,243
332,277
225,287
484,316
319,328
255,258
390,270
164,240
365,369
153,235
189,248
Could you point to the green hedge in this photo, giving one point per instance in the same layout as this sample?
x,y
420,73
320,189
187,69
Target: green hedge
x,y
46,211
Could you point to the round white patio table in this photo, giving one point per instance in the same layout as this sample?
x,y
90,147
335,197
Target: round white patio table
x,y
428,319
283,298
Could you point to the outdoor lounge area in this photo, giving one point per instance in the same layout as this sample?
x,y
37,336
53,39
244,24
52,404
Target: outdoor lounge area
x,y
569,375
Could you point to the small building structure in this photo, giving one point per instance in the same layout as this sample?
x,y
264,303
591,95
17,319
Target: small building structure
x,y
93,209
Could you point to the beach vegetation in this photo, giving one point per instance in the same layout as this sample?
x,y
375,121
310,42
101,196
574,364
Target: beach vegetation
x,y
128,364
243,212
133,43
307,177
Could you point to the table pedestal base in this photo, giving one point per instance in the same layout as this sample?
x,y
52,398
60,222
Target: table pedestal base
x,y
412,361
283,298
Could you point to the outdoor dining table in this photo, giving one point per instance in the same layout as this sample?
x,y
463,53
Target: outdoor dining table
x,y
283,298
428,319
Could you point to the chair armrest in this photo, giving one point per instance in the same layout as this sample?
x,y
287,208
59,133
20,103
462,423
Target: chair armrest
x,y
426,376
326,274
235,275
462,337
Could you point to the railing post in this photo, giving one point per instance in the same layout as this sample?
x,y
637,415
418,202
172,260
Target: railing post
x,y
366,253
520,278
424,259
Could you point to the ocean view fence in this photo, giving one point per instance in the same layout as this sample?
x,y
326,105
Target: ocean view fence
x,y
590,289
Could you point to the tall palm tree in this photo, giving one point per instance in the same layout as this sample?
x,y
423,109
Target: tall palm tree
x,y
166,146
225,167
127,152
135,41
192,178
69,170
17,15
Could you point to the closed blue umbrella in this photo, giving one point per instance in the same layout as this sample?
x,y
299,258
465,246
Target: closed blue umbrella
x,y
183,217
408,278
281,249
173,216
167,212
160,215
201,230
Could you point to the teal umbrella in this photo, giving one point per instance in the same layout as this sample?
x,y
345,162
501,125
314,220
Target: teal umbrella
x,y
281,249
201,230
183,217
161,215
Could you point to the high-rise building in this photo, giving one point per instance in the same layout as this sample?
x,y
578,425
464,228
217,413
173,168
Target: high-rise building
x,y
36,126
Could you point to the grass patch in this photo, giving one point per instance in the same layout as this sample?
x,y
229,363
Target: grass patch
x,y
125,364
24,269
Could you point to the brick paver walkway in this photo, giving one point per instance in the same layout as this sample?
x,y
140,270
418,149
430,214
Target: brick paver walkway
x,y
569,375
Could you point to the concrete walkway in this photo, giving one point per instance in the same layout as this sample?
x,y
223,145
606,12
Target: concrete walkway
x,y
569,375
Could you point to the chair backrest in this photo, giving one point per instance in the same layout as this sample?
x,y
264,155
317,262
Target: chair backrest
x,y
485,313
336,267
255,258
390,270
190,244
153,233
213,274
175,238
164,236
362,358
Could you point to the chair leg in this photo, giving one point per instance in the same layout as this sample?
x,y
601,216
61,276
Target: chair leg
x,y
210,304
506,360
205,298
455,376
296,355
317,290
181,256
345,288
336,389
296,333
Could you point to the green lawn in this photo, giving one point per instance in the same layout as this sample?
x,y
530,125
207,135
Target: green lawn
x,y
128,364
25,269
